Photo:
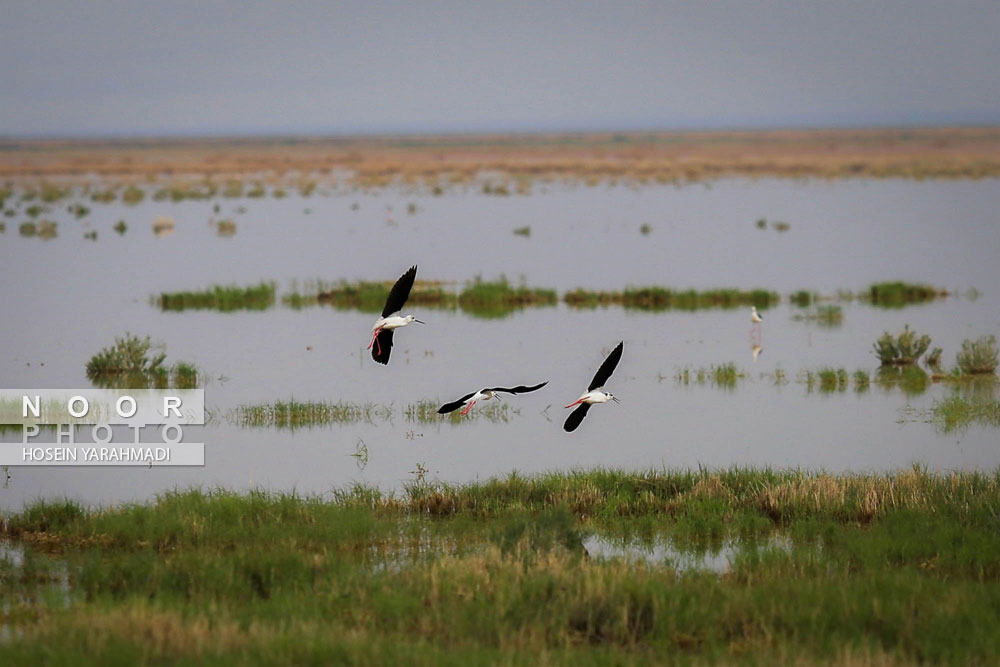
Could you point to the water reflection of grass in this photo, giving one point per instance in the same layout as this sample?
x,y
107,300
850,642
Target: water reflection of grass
x,y
221,298
830,316
293,414
913,380
373,577
426,412
958,412
725,375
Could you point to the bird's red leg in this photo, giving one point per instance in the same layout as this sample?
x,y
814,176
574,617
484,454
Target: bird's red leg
x,y
576,402
467,408
374,340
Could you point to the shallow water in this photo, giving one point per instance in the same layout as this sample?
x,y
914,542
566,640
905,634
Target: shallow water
x,y
67,298
661,551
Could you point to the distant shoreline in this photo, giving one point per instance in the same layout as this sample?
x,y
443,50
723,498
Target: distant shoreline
x,y
640,157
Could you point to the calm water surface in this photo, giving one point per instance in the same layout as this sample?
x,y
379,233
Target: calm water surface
x,y
64,299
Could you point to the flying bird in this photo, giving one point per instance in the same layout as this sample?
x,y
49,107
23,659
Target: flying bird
x,y
381,345
595,393
484,394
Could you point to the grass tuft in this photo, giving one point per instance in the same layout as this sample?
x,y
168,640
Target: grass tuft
x,y
979,356
902,350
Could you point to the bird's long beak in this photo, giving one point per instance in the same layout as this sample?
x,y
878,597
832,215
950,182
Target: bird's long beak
x,y
615,399
418,321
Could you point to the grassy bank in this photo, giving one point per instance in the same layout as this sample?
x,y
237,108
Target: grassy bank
x,y
856,569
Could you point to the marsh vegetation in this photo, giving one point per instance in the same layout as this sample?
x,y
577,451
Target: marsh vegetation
x,y
498,571
132,362
221,298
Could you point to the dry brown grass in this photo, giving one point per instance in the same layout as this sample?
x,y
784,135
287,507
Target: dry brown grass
x,y
515,160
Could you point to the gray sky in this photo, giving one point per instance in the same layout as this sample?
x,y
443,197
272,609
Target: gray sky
x,y
78,67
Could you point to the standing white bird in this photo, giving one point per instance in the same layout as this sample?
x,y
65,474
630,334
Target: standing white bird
x,y
595,394
381,345
755,320
484,394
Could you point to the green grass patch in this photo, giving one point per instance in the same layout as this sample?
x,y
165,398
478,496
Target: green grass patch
x,y
665,298
133,195
221,298
499,298
832,379
802,298
860,569
366,296
181,191
225,228
131,362
862,381
662,298
897,294
903,349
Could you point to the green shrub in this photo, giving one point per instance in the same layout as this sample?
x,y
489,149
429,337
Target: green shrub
x,y
978,356
901,350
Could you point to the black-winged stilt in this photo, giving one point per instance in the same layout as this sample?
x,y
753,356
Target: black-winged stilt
x,y
755,320
381,345
485,394
594,391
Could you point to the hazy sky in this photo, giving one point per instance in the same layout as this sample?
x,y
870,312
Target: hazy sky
x,y
80,67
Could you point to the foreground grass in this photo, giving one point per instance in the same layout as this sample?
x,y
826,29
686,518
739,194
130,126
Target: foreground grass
x,y
871,569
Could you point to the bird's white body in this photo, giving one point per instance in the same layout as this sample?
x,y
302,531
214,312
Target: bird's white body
x,y
591,397
392,322
754,317
481,395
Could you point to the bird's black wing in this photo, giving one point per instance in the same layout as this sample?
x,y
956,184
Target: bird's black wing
x,y
454,405
399,292
576,417
519,389
607,368
382,347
